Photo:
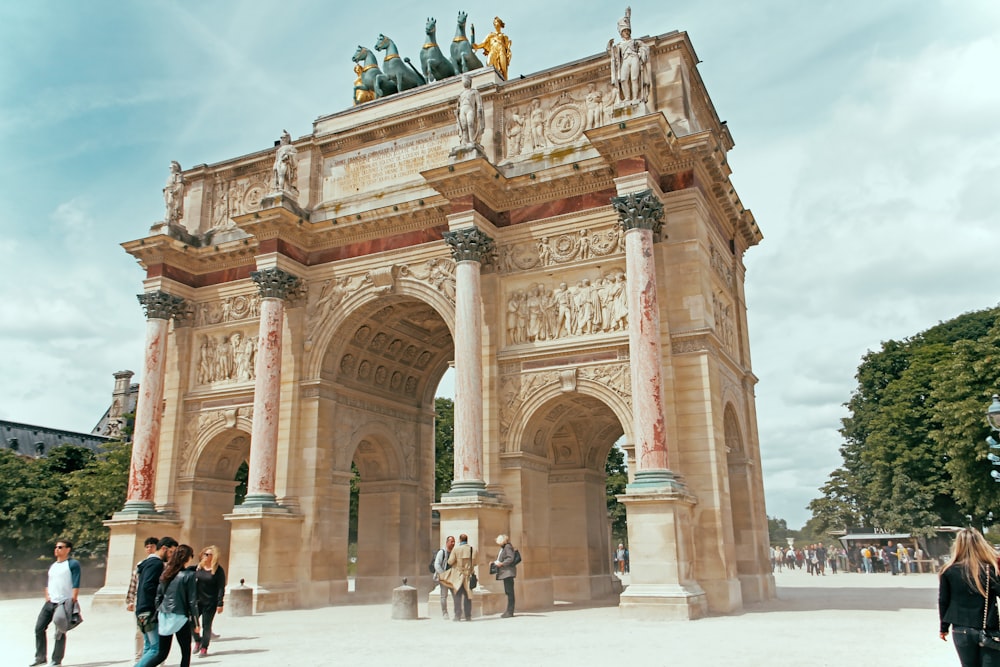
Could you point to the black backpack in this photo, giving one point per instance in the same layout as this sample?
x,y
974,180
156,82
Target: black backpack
x,y
434,560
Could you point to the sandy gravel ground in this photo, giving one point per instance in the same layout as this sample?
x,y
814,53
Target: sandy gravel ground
x,y
831,620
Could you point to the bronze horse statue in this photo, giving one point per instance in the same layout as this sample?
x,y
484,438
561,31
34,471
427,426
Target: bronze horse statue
x,y
406,76
462,55
432,60
372,77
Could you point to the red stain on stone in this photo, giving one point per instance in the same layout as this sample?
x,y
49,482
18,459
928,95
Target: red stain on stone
x,y
575,204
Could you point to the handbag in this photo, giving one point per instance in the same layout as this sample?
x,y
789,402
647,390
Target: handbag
x,y
474,581
493,568
988,638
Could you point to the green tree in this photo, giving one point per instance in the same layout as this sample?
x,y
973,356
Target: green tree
x,y
617,478
93,494
444,445
30,516
913,452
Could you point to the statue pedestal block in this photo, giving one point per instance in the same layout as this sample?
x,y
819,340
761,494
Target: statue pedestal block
x,y
266,551
661,564
482,518
129,529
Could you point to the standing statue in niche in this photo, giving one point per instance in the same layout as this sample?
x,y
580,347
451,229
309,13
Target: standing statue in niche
x,y
173,194
631,76
470,117
496,47
286,168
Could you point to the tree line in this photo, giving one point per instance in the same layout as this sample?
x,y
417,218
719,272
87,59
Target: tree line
x,y
914,452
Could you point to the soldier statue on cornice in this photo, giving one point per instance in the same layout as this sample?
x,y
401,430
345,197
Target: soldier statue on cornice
x,y
631,76
286,168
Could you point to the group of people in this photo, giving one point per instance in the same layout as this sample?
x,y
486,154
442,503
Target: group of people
x,y
173,598
815,557
170,596
898,559
455,572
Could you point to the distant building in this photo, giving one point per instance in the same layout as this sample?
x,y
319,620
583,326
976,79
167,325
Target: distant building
x,y
38,441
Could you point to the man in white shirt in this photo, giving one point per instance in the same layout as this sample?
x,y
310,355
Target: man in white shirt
x,y
63,586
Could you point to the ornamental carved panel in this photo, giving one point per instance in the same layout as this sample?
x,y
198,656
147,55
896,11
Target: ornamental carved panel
x,y
550,250
543,311
228,357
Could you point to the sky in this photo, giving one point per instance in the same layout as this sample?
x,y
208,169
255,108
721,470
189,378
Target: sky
x,y
866,146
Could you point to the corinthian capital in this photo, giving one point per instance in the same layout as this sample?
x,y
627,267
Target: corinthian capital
x,y
275,283
470,244
639,210
162,306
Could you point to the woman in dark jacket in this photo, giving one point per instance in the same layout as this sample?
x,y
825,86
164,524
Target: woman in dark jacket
x,y
506,571
967,593
176,605
211,583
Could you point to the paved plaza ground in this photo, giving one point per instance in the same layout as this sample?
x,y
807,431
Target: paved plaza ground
x,y
832,620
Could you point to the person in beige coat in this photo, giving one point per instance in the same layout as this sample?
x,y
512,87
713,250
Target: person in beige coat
x,y
461,562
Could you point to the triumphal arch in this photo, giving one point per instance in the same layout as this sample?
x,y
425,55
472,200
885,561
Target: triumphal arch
x,y
569,242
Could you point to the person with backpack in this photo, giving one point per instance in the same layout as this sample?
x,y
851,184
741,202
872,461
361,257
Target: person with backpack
x,y
506,570
440,565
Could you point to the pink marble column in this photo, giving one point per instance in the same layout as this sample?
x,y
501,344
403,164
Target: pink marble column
x,y
641,216
160,307
274,285
470,248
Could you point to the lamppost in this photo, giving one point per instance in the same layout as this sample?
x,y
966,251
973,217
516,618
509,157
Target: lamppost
x,y
993,417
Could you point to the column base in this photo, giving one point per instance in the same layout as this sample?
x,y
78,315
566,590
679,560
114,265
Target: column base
x,y
129,529
464,491
254,500
137,507
266,553
666,602
661,548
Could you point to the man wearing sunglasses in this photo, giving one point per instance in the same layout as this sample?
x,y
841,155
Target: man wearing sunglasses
x,y
63,586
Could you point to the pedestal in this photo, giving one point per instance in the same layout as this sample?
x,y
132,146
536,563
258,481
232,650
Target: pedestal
x,y
660,540
266,551
129,529
482,519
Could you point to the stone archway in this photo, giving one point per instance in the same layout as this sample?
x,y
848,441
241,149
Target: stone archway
x,y
741,503
562,498
380,371
207,492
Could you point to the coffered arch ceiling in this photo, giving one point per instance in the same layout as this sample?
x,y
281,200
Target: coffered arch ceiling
x,y
573,431
398,348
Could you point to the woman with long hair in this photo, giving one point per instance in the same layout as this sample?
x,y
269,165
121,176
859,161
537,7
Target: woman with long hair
x,y
967,594
176,605
210,579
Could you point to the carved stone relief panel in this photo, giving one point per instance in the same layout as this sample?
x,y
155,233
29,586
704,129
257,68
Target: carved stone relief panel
x,y
725,325
542,311
230,309
235,196
557,121
227,357
721,266
438,273
550,250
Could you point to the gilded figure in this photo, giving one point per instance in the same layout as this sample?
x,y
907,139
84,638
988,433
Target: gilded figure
x,y
496,47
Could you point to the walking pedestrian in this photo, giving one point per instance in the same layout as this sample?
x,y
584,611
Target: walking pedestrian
x,y
967,593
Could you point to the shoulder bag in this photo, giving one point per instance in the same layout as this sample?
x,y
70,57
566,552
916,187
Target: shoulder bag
x,y
988,638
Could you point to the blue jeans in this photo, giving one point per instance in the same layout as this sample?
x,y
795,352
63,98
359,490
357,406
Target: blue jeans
x,y
970,654
150,647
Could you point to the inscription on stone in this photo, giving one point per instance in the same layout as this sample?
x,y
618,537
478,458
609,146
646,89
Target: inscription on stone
x,y
393,163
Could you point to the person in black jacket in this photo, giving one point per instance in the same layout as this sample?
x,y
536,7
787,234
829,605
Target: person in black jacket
x,y
211,584
176,605
967,595
148,574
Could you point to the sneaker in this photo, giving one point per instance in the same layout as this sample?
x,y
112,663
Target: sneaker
x,y
215,636
37,662
203,653
444,615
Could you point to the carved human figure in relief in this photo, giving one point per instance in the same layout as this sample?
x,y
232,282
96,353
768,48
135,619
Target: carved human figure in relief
x,y
173,193
536,121
595,108
515,133
496,47
630,67
469,114
286,168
